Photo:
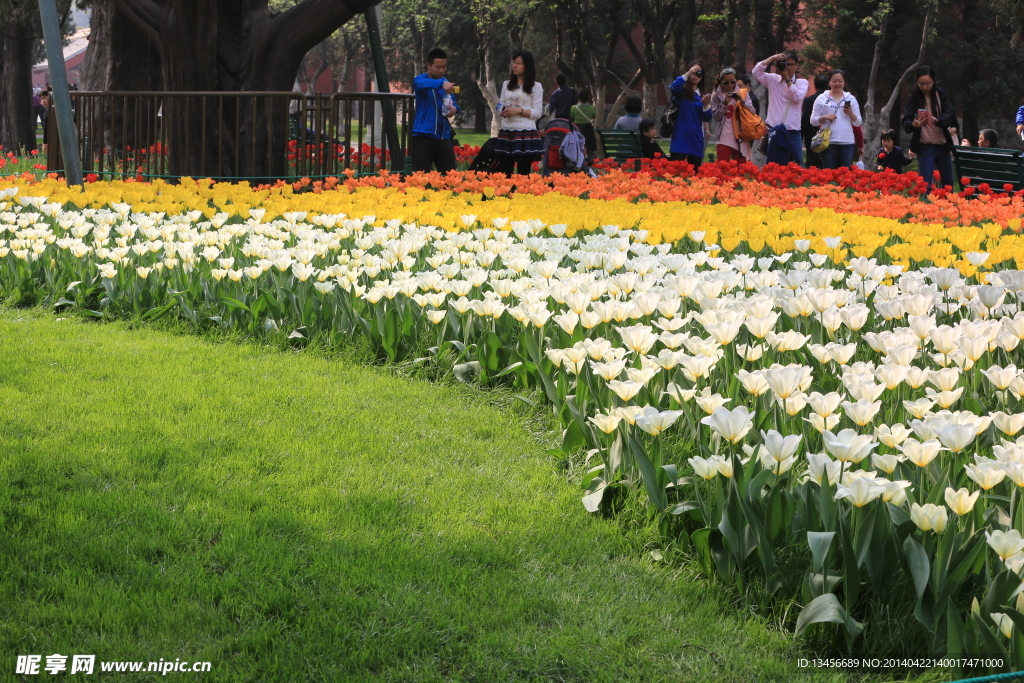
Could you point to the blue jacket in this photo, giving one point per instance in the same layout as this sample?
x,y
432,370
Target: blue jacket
x,y
429,122
688,134
1020,116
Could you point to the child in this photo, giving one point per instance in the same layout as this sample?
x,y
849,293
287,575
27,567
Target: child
x,y
891,156
631,120
649,148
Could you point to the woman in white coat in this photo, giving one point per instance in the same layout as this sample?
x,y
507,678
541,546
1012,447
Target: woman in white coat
x,y
839,111
520,105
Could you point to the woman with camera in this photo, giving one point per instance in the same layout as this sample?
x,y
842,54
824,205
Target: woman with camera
x,y
837,111
694,110
928,116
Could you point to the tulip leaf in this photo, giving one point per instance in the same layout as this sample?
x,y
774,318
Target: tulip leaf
x,y
649,475
826,609
63,302
820,542
917,562
1000,591
990,642
862,540
701,540
509,369
591,475
680,508
897,514
615,455
592,501
73,285
819,583
673,474
574,438
962,561
465,372
954,632
851,570
390,338
827,505
530,344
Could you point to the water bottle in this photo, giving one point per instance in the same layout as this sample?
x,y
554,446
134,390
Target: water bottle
x,y
447,105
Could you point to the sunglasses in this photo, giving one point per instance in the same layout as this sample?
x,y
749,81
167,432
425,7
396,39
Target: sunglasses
x,y
728,82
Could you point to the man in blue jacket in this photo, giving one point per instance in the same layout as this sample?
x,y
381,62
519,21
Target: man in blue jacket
x,y
431,131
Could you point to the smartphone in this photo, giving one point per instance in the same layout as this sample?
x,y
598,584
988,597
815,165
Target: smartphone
x,y
921,113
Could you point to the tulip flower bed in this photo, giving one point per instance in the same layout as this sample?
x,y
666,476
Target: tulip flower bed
x,y
845,389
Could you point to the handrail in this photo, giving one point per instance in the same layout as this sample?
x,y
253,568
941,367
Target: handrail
x,y
245,135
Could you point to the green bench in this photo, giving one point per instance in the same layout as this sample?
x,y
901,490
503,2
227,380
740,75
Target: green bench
x,y
997,167
621,145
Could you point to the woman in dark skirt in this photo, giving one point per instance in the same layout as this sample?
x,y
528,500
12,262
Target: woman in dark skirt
x,y
520,105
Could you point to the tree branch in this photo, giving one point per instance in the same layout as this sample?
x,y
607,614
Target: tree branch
x,y
146,14
912,68
310,22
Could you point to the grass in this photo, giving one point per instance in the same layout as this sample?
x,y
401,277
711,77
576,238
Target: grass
x,y
292,517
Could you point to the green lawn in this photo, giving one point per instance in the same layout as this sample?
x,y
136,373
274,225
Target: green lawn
x,y
288,517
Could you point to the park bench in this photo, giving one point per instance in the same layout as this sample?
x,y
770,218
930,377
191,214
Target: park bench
x,y
997,167
621,145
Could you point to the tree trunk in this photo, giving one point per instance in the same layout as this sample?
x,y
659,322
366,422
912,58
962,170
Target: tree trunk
x,y
871,144
480,118
119,58
17,122
764,35
742,34
488,88
688,20
727,44
231,46
651,99
870,119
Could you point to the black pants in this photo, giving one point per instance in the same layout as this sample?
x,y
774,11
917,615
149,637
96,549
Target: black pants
x,y
693,159
427,152
509,165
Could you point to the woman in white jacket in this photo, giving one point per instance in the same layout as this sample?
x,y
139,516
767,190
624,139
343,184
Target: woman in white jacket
x,y
520,104
838,110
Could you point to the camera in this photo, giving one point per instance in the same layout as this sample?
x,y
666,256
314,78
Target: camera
x,y
699,73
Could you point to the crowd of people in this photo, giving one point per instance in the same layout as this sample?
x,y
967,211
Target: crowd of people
x,y
822,129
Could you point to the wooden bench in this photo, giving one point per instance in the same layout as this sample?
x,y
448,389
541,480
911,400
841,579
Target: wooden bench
x,y
621,145
997,167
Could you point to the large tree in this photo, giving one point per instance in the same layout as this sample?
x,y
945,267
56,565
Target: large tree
x,y
232,46
19,34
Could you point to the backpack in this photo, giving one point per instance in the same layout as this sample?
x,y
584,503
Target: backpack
x,y
668,119
748,125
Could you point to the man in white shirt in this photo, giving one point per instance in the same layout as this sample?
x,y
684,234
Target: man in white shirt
x,y
786,93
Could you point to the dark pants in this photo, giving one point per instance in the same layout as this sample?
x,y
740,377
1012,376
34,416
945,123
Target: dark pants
x,y
692,159
427,152
792,153
590,137
509,165
837,156
935,157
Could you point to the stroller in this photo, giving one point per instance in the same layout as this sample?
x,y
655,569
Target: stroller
x,y
485,160
564,149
